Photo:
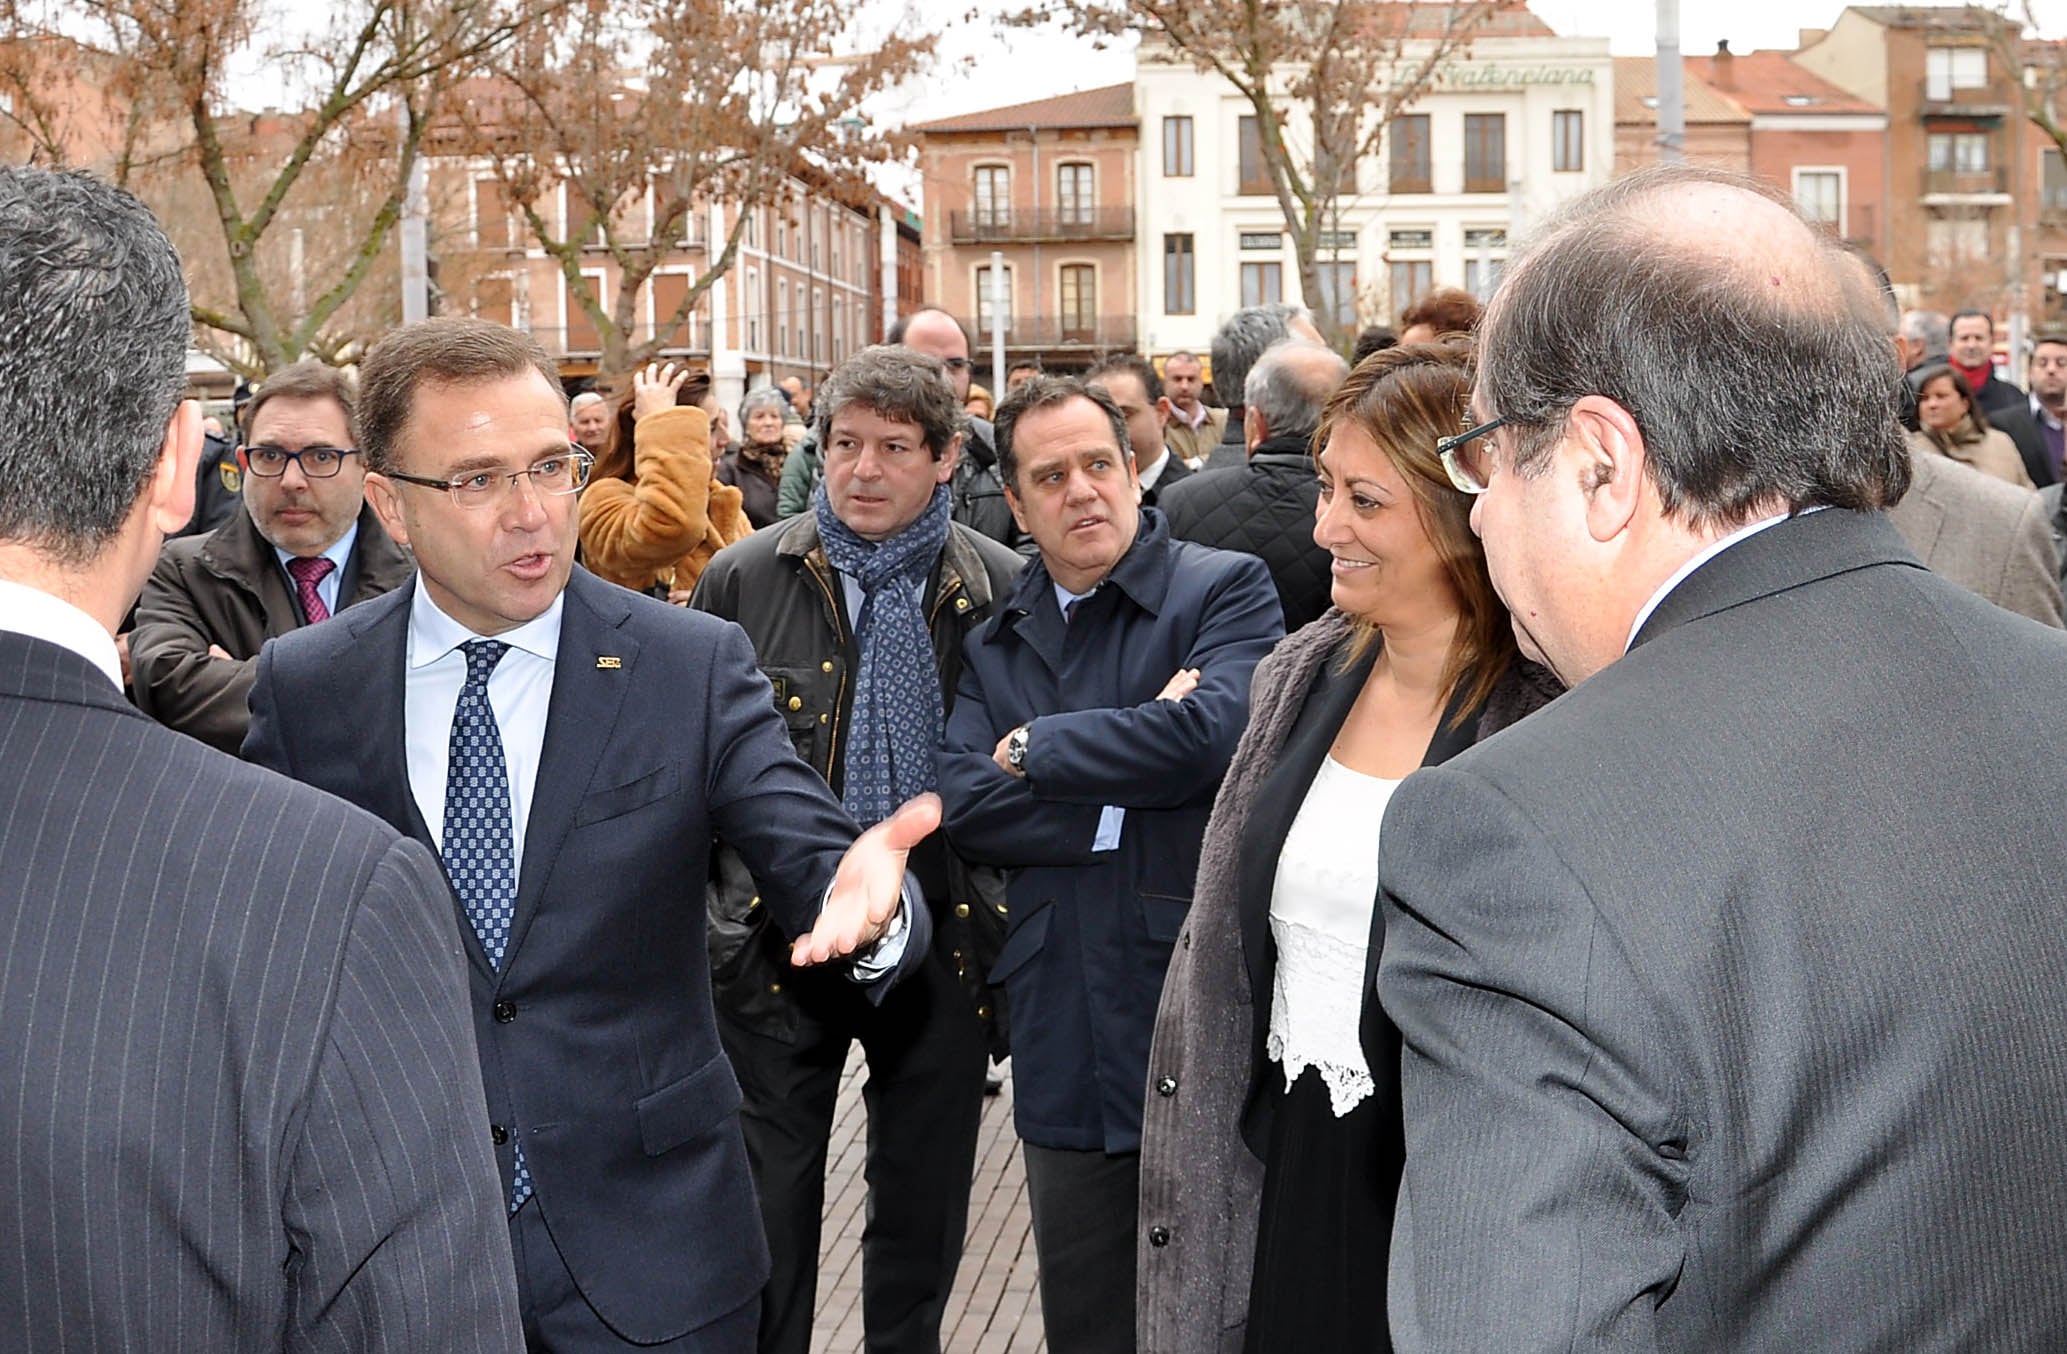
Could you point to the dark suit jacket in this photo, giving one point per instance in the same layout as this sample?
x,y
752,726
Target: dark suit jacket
x,y
238,1091
1174,469
2009,408
1091,931
599,1047
1730,991
228,588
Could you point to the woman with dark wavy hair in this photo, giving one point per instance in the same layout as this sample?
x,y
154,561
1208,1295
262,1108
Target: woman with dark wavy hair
x,y
1271,1150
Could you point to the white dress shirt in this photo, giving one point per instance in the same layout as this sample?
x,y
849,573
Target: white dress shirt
x,y
1112,819
40,615
1153,471
520,692
340,550
1700,558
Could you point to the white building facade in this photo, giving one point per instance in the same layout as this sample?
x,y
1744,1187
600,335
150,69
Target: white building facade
x,y
1517,126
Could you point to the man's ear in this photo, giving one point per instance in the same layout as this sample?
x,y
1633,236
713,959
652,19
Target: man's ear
x,y
1018,510
944,468
1165,411
1611,461
171,486
387,506
1254,429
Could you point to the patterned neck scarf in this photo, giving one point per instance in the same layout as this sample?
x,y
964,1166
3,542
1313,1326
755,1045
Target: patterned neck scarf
x,y
898,721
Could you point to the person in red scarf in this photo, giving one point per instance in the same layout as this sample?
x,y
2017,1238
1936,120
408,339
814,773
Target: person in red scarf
x,y
2005,405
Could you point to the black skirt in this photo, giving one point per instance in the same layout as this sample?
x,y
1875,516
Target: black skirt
x,y
1325,1226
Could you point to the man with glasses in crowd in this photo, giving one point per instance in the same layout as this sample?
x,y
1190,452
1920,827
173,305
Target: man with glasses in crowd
x,y
302,546
570,749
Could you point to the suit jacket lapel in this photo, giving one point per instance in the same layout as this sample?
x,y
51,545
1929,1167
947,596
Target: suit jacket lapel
x,y
580,723
380,633
1803,549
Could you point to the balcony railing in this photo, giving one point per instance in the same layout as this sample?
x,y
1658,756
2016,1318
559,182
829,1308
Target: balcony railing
x,y
1045,223
1112,332
1984,101
1966,182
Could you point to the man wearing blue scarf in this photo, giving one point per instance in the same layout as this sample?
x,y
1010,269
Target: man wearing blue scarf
x,y
857,612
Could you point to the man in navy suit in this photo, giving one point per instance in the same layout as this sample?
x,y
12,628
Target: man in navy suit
x,y
570,748
1096,712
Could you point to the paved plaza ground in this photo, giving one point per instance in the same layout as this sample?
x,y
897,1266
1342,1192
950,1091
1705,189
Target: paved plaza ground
x,y
995,1308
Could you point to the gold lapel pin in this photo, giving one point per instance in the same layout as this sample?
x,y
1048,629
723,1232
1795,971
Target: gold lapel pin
x,y
609,663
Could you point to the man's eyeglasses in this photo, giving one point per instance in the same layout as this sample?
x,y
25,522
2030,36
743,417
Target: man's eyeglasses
x,y
317,463
956,363
1465,464
559,474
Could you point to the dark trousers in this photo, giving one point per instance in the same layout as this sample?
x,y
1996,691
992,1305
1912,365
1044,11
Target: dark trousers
x,y
559,1320
1086,1206
924,1098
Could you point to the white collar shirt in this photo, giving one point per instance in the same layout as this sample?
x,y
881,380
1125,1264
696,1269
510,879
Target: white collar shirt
x,y
1714,548
41,615
340,551
520,693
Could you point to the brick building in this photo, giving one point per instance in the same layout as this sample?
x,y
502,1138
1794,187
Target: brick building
x,y
1049,186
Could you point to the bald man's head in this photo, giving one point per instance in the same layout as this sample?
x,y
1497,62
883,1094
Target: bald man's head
x,y
1749,347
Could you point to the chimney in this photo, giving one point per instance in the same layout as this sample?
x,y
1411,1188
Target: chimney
x,y
1811,36
1722,71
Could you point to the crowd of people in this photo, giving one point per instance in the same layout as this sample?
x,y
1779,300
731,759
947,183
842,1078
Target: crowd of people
x,y
1498,843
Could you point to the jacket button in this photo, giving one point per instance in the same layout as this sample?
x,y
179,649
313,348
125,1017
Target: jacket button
x,y
499,1135
754,901
1158,1236
961,604
826,666
1166,1085
775,987
505,1012
825,719
983,1013
796,702
961,909
958,956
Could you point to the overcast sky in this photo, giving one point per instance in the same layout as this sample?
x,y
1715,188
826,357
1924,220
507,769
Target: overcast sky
x,y
1013,67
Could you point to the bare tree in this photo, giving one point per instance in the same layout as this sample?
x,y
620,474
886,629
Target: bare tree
x,y
1324,78
648,111
370,75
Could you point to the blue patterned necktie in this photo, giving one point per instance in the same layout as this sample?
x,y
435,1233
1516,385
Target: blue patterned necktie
x,y
479,841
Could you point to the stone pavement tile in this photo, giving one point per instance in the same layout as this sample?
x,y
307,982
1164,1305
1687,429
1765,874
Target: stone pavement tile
x,y
994,1307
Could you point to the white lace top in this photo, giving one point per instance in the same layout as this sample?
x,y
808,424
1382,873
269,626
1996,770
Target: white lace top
x,y
1320,916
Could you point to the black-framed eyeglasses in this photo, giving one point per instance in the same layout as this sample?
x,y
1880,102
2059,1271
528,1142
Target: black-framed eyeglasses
x,y
1464,463
549,475
956,363
317,463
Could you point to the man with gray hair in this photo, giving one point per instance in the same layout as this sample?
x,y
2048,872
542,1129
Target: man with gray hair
x,y
239,1099
1265,507
1245,337
588,423
857,610
1728,993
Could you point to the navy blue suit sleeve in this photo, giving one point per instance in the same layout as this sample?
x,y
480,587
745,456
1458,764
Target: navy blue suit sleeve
x,y
992,816
263,745
770,806
1162,754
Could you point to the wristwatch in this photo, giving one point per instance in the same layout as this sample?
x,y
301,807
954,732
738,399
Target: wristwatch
x,y
1015,750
